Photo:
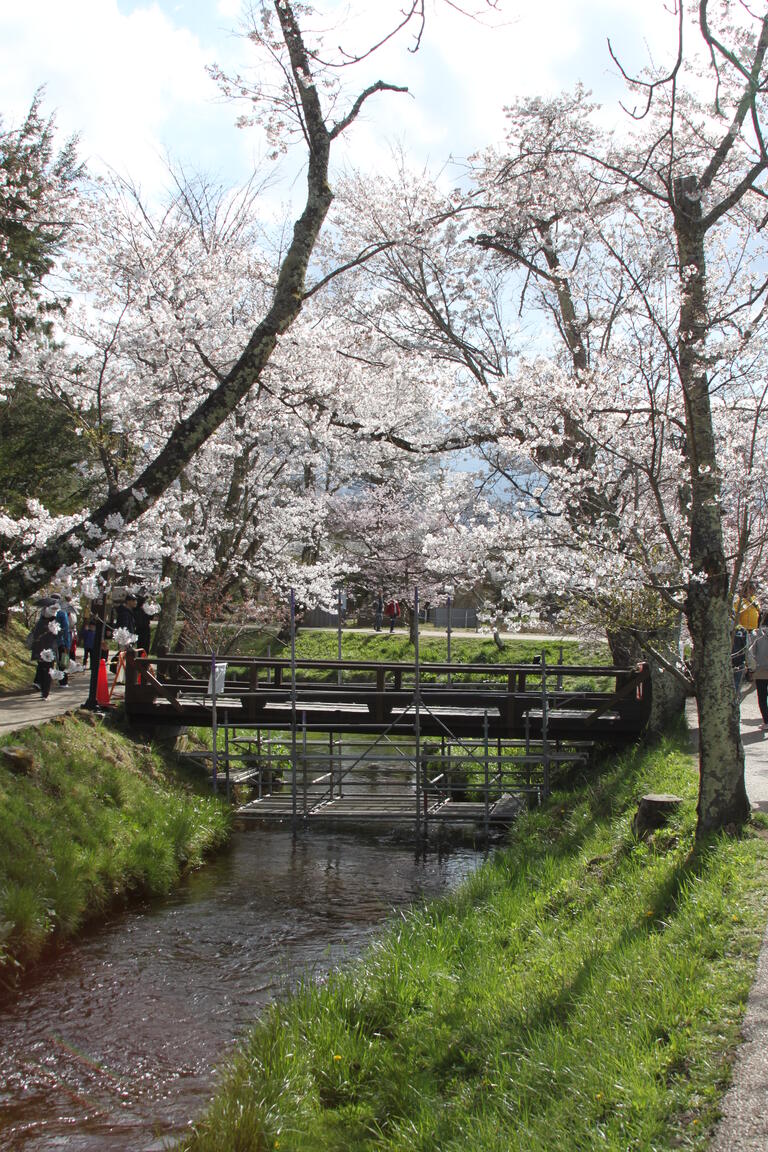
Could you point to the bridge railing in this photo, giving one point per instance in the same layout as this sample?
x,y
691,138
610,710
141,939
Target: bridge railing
x,y
260,689
254,674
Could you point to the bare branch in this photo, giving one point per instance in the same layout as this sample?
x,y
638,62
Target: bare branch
x,y
651,85
365,255
744,106
379,86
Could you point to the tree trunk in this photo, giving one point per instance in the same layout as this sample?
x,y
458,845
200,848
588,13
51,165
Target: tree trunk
x,y
723,799
668,694
162,641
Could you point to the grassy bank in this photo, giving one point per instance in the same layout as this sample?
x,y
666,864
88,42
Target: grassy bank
x,y
583,990
16,667
89,816
322,644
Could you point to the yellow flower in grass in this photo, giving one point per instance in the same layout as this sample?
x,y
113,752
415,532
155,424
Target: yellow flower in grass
x,y
337,1057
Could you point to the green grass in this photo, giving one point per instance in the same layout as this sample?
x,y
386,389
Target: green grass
x,y
94,817
582,990
381,647
16,668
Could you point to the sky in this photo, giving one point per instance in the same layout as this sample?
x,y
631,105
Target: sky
x,y
129,76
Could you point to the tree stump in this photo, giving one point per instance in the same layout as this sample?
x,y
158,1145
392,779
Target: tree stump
x,y
19,759
653,811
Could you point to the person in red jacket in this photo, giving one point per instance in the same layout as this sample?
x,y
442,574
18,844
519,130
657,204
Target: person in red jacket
x,y
392,612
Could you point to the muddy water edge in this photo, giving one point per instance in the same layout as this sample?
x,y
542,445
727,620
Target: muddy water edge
x,y
116,1044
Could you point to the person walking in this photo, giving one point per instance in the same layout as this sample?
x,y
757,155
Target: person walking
x,y
43,644
379,611
125,614
143,623
63,642
757,661
72,617
746,608
125,619
88,639
392,612
739,646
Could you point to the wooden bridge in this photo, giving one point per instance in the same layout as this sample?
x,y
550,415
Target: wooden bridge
x,y
356,741
514,700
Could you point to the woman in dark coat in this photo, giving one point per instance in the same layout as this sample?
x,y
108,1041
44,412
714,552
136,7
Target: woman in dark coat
x,y
44,645
757,660
142,625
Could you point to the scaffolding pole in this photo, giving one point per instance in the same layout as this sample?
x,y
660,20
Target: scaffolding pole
x,y
305,803
544,724
214,728
294,774
226,747
338,646
417,722
487,809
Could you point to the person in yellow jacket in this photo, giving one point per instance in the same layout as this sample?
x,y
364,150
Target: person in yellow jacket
x,y
746,608
746,617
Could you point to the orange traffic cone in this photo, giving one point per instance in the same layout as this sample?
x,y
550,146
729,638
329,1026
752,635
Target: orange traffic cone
x,y
102,686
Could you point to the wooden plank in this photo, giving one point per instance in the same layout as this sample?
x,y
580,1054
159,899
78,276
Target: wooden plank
x,y
630,687
164,691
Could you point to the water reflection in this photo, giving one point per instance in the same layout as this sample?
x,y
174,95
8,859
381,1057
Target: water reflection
x,y
116,1046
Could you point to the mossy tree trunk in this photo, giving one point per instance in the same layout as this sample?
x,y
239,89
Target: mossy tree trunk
x,y
722,795
668,692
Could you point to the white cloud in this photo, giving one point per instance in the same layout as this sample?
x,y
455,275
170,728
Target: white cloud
x,y
129,75
119,80
229,9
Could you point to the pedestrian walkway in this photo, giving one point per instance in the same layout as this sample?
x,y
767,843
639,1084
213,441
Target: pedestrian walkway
x,y
28,710
744,1125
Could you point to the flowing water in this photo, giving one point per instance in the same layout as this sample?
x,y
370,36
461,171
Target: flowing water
x,y
116,1045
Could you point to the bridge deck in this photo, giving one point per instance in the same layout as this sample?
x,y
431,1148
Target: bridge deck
x,y
369,809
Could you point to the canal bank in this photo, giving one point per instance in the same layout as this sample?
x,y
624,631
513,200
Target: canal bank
x,y
89,818
584,988
579,940
119,1043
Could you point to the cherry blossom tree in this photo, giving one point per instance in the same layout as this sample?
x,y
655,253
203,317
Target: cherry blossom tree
x,y
39,191
295,104
626,437
39,199
677,254
165,298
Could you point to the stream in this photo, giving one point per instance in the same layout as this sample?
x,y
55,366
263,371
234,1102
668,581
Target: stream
x,y
117,1042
